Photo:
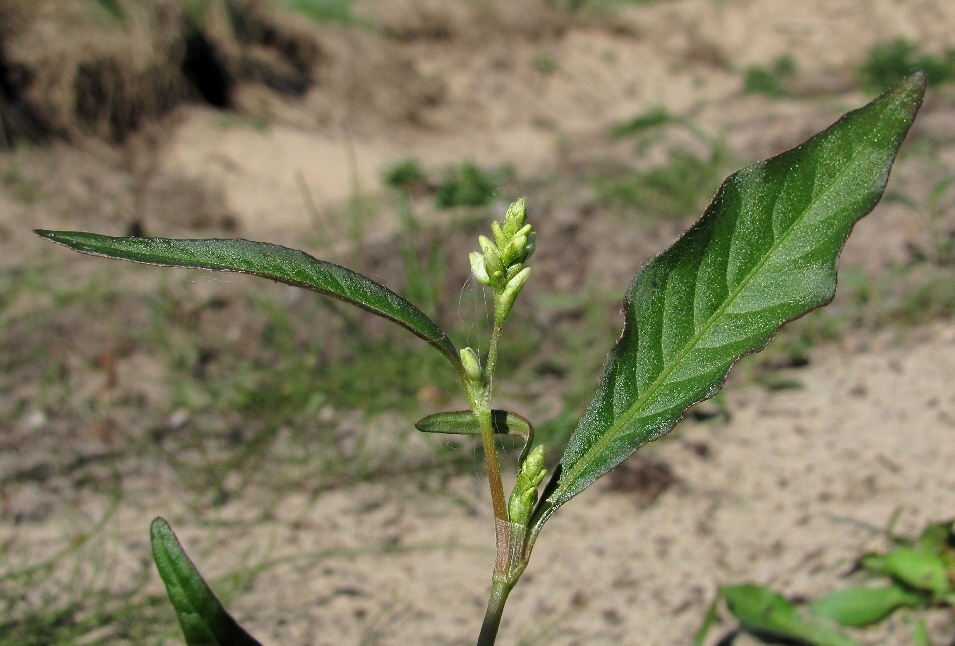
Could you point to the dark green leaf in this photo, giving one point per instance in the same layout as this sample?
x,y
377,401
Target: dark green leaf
x,y
763,253
203,619
268,261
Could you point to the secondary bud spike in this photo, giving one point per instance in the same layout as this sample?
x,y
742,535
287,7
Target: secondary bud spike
x,y
472,365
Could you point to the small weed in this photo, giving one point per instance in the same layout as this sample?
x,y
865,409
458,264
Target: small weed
x,y
888,62
326,10
545,64
228,120
24,189
674,190
652,118
939,247
928,294
111,9
469,185
360,206
914,576
770,81
423,261
404,175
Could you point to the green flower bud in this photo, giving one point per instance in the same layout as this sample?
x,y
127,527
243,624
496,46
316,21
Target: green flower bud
x,y
514,217
493,264
520,506
532,470
515,284
472,365
514,270
514,250
478,270
530,246
529,477
498,234
500,263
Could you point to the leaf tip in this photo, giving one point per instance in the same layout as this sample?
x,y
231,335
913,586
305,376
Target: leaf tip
x,y
65,238
159,527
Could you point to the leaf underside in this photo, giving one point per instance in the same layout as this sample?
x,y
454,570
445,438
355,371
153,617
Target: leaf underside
x,y
203,620
268,261
463,422
763,253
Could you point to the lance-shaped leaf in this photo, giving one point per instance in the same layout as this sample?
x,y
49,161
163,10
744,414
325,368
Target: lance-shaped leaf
x,y
203,620
268,261
763,253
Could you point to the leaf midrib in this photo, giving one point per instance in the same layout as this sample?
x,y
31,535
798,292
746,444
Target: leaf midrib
x,y
660,381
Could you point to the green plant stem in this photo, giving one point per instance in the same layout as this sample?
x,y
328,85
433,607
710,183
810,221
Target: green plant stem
x,y
492,351
509,543
487,430
495,609
493,465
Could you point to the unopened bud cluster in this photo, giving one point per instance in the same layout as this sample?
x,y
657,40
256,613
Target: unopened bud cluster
x,y
524,495
500,263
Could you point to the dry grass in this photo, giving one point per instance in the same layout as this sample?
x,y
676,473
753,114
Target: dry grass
x,y
69,68
104,68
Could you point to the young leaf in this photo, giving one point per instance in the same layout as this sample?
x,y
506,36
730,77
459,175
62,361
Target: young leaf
x,y
763,253
463,422
203,620
766,612
268,261
914,568
861,606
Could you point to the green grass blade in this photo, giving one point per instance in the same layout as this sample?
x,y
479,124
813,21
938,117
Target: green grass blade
x,y
763,253
268,261
203,619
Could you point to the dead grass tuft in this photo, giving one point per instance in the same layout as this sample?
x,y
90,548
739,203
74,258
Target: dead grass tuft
x,y
70,69
477,22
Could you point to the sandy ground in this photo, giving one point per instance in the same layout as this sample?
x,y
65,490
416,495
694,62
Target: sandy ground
x,y
786,492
